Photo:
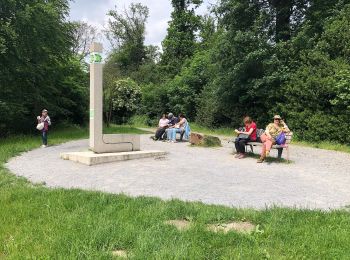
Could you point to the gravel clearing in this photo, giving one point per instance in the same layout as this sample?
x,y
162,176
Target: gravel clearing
x,y
318,179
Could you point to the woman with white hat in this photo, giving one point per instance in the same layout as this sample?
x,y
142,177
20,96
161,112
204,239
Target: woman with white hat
x,y
268,138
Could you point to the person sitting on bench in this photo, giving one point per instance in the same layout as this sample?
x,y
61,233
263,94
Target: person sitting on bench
x,y
268,138
173,120
178,128
162,126
245,136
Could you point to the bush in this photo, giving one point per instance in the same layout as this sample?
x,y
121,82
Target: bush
x,y
142,121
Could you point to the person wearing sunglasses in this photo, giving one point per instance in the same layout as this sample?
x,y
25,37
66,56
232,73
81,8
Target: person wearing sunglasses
x,y
268,138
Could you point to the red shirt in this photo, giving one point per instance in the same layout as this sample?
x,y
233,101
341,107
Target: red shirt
x,y
253,134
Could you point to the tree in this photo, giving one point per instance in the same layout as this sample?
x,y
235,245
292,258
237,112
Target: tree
x,y
122,99
84,35
180,42
126,32
318,93
37,66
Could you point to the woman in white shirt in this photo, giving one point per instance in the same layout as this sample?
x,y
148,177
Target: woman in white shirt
x,y
162,126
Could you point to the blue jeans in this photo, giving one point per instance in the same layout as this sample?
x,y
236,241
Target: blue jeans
x,y
44,137
172,133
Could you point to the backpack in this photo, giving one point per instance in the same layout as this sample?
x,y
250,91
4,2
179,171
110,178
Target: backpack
x,y
281,139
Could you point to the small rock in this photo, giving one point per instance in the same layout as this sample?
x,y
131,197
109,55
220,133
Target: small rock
x,y
204,140
196,138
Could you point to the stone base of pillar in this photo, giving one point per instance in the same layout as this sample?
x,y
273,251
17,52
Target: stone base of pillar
x,y
113,143
90,158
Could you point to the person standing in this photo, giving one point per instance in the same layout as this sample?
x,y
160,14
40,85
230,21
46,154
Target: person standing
x,y
44,118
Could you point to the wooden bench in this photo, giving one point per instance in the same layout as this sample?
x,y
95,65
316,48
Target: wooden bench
x,y
278,147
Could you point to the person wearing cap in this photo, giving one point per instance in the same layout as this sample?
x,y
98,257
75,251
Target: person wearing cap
x,y
171,124
179,127
268,138
173,120
44,118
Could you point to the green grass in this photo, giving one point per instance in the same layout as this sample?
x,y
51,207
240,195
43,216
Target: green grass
x,y
212,131
37,222
325,145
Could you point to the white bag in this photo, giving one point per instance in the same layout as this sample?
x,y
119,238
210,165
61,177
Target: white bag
x,y
40,126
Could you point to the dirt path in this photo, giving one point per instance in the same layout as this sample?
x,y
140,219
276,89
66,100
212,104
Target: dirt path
x,y
317,178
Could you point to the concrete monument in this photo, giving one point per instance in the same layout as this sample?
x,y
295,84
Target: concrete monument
x,y
99,142
105,147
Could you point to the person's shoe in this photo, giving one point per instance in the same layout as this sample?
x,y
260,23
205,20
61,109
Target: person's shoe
x,y
238,155
261,160
241,156
43,146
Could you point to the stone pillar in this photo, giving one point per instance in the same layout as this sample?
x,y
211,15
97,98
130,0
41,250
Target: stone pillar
x,y
100,143
96,96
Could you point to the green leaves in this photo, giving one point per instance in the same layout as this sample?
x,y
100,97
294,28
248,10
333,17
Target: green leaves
x,y
37,68
122,98
180,42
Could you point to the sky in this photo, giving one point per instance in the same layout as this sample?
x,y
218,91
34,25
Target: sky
x,y
94,12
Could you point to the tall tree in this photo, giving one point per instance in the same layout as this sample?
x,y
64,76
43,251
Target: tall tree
x,y
83,35
180,42
37,68
126,32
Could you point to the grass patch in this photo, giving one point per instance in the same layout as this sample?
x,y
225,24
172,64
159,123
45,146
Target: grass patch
x,y
212,131
122,129
37,222
325,145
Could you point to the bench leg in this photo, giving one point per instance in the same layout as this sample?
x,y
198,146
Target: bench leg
x,y
251,148
287,154
280,151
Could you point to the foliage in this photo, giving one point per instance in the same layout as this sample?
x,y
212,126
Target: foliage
x,y
122,99
180,42
37,66
255,58
126,32
84,35
183,91
211,141
318,94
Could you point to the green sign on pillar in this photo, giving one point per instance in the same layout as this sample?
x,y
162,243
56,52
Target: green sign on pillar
x,y
96,57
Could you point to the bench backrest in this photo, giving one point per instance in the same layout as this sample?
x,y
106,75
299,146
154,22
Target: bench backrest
x,y
259,132
289,137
